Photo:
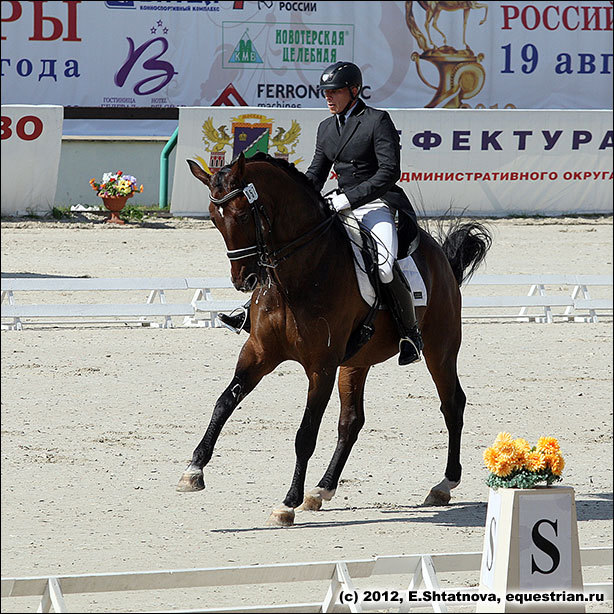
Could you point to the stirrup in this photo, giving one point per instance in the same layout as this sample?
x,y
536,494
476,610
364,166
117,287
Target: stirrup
x,y
234,321
409,351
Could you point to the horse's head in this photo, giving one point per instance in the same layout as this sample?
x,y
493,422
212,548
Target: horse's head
x,y
232,210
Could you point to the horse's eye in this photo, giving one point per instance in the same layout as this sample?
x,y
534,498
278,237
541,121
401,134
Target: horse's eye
x,y
243,218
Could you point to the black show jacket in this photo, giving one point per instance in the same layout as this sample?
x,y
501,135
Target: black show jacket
x,y
366,157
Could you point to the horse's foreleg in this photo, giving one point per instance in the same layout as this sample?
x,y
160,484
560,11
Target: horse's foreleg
x,y
320,388
249,371
192,478
351,420
452,407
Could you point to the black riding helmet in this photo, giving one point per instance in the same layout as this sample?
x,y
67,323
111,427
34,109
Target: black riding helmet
x,y
341,74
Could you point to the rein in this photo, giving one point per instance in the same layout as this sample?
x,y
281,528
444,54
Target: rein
x,y
266,257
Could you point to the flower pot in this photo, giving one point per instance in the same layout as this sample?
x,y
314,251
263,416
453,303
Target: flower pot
x,y
115,204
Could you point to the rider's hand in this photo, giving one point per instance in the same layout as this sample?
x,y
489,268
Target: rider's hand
x,y
338,201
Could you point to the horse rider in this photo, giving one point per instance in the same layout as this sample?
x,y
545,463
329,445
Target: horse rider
x,y
362,144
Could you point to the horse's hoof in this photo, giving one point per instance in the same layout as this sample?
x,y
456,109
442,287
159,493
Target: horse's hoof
x,y
192,480
440,494
281,517
311,503
314,499
437,497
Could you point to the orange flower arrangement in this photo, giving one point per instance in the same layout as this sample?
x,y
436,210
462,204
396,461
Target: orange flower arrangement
x,y
513,463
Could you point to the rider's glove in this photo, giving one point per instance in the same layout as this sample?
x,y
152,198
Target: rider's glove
x,y
338,201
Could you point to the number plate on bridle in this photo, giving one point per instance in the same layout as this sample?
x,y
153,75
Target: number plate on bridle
x,y
250,193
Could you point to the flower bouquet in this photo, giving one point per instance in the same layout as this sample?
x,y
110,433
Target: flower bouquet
x,y
513,463
115,189
115,184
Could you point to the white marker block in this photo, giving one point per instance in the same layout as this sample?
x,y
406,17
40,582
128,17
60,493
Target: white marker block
x,y
531,547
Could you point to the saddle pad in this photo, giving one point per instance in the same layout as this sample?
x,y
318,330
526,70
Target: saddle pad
x,y
408,266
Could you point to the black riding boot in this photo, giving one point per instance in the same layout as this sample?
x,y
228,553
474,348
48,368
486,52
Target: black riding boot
x,y
237,322
399,299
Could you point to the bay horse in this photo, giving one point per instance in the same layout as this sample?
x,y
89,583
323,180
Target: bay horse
x,y
288,248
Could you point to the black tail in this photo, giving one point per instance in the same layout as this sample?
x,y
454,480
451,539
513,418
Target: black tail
x,y
465,246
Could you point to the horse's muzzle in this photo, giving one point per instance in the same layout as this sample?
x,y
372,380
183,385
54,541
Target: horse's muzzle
x,y
246,284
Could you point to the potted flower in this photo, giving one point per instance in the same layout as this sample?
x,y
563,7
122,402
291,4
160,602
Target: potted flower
x,y
115,189
531,533
513,463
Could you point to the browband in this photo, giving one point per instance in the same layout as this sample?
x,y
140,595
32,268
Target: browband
x,y
249,190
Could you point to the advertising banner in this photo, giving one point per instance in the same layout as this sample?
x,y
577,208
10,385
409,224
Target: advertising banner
x,y
478,55
31,143
477,162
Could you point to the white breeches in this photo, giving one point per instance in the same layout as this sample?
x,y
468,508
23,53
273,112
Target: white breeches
x,y
378,218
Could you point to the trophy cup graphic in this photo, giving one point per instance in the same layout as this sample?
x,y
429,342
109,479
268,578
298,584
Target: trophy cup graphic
x,y
461,75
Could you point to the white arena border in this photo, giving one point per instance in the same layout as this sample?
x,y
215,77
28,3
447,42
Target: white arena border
x,y
544,302
422,568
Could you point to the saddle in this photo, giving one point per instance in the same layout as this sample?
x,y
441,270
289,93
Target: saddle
x,y
364,251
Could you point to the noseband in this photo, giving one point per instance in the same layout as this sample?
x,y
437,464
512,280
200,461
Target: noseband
x,y
266,257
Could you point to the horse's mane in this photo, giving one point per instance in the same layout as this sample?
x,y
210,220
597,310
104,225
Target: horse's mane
x,y
294,174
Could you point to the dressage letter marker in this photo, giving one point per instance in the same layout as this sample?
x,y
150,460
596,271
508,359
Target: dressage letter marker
x,y
531,546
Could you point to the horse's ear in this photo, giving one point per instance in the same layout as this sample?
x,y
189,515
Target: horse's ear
x,y
238,168
199,173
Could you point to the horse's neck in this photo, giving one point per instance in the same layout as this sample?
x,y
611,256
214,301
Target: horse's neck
x,y
291,210
295,217
321,250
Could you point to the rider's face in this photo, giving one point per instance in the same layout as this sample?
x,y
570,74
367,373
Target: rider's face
x,y
337,100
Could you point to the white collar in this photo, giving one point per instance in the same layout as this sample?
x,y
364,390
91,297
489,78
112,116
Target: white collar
x,y
347,113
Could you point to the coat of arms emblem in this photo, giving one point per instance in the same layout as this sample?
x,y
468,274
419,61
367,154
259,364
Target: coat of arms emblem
x,y
249,133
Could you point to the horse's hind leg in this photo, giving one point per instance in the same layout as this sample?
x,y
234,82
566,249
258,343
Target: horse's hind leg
x,y
351,420
251,368
452,407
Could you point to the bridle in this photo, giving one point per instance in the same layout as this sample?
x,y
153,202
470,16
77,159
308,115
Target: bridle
x,y
267,257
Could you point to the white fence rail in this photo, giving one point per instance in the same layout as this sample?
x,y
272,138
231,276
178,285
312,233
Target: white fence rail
x,y
200,310
545,298
421,571
570,293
